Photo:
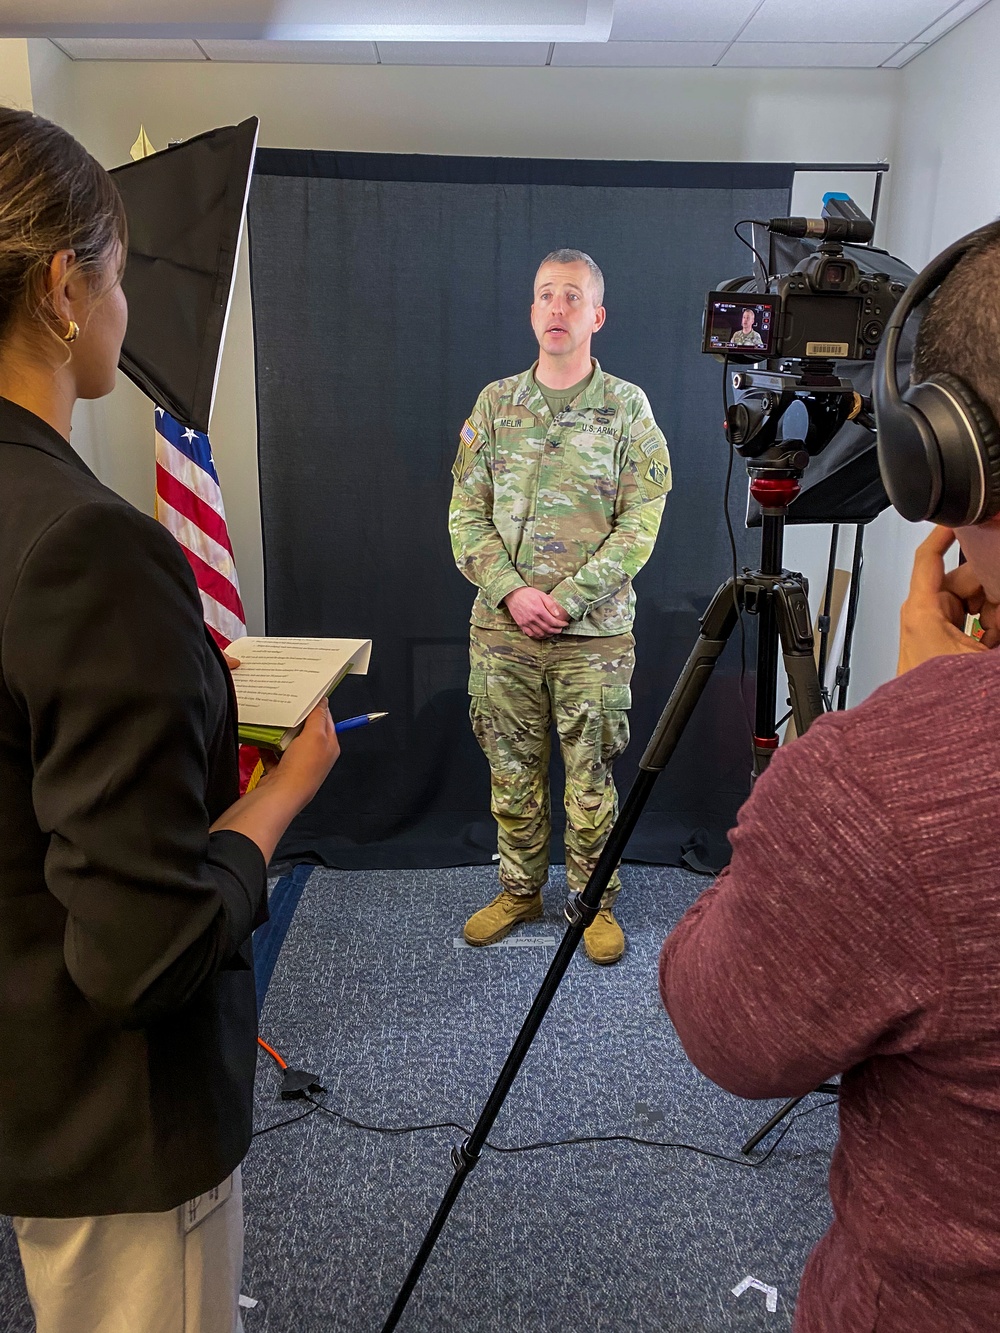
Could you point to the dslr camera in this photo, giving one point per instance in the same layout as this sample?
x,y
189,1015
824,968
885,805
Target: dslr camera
x,y
828,308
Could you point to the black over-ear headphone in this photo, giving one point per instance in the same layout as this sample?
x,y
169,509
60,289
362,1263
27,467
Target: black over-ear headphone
x,y
938,442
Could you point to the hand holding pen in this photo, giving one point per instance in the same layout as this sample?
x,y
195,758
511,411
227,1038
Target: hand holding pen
x,y
361,720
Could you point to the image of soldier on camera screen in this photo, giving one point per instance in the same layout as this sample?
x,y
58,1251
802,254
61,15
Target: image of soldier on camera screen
x,y
747,335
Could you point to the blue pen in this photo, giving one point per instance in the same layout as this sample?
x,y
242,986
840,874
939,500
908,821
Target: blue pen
x,y
362,720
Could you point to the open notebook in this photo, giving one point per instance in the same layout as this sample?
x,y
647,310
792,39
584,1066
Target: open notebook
x,y
280,681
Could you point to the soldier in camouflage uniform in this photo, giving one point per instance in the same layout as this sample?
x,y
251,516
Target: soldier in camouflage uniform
x,y
747,336
560,483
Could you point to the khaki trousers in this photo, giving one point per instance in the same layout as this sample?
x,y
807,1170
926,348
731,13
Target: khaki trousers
x,y
173,1272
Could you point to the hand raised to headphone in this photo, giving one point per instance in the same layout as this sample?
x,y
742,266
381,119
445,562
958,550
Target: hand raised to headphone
x,y
932,619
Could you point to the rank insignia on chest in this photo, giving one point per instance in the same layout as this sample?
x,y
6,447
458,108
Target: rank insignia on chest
x,y
656,472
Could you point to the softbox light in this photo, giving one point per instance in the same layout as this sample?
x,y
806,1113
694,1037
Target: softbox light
x,y
185,208
843,484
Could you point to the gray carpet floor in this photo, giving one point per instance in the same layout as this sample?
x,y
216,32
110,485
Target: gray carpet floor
x,y
373,994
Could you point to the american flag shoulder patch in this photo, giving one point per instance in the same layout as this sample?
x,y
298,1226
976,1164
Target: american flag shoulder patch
x,y
468,435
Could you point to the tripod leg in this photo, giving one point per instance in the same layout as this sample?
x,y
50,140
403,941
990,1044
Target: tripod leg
x,y
795,631
768,1125
716,625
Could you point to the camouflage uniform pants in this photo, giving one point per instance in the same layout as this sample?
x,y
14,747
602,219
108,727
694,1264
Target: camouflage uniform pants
x,y
518,687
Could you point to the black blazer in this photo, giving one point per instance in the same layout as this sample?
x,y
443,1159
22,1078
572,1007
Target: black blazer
x,y
127,1005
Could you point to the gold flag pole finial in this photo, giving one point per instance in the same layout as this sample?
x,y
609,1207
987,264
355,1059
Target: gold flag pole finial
x,y
142,147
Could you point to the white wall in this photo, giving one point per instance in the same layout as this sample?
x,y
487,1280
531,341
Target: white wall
x,y
946,181
722,115
658,113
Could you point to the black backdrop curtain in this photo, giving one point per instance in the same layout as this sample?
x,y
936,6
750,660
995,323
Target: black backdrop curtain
x,y
387,291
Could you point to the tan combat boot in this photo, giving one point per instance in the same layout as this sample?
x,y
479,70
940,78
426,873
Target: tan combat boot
x,y
604,939
498,918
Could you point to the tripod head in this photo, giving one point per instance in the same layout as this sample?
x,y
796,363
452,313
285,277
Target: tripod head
x,y
799,407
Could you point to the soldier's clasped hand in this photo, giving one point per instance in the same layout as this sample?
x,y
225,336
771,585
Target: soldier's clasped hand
x,y
537,614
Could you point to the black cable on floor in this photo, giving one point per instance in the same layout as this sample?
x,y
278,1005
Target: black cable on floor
x,y
280,1124
753,1163
298,1085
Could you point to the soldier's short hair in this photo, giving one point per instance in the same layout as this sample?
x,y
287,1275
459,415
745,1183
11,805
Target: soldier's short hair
x,y
960,332
578,257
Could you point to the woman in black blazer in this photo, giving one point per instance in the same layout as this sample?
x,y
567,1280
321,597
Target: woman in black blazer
x,y
131,876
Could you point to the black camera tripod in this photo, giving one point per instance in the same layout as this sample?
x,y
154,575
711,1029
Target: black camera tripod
x,y
779,600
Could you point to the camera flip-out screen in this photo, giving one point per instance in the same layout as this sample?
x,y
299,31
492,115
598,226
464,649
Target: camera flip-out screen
x,y
742,325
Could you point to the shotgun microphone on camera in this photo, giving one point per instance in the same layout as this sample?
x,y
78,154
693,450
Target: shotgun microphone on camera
x,y
859,230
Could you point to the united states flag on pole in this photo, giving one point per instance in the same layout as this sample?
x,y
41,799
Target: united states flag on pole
x,y
189,503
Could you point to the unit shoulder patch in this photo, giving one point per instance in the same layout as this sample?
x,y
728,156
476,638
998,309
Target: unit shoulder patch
x,y
652,465
656,474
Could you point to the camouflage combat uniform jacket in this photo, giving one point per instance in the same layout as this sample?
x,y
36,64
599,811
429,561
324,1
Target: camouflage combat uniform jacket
x,y
571,506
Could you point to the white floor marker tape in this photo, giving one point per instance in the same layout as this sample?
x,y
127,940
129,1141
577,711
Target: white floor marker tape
x,y
770,1293
247,1302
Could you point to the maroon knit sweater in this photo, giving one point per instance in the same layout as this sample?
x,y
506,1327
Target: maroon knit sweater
x,y
858,930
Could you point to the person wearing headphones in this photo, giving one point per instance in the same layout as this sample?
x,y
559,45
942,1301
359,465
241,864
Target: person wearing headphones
x,y
857,928
131,876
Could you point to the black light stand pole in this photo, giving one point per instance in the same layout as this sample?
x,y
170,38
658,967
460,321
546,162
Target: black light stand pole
x,y
783,607
844,670
771,563
824,617
765,738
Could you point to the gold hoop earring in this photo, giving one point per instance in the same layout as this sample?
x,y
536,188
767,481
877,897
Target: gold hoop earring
x,y
72,333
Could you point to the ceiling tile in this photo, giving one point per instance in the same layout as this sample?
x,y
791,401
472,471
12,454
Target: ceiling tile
x,y
904,55
128,48
463,53
680,20
842,20
638,55
299,53
947,21
808,55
